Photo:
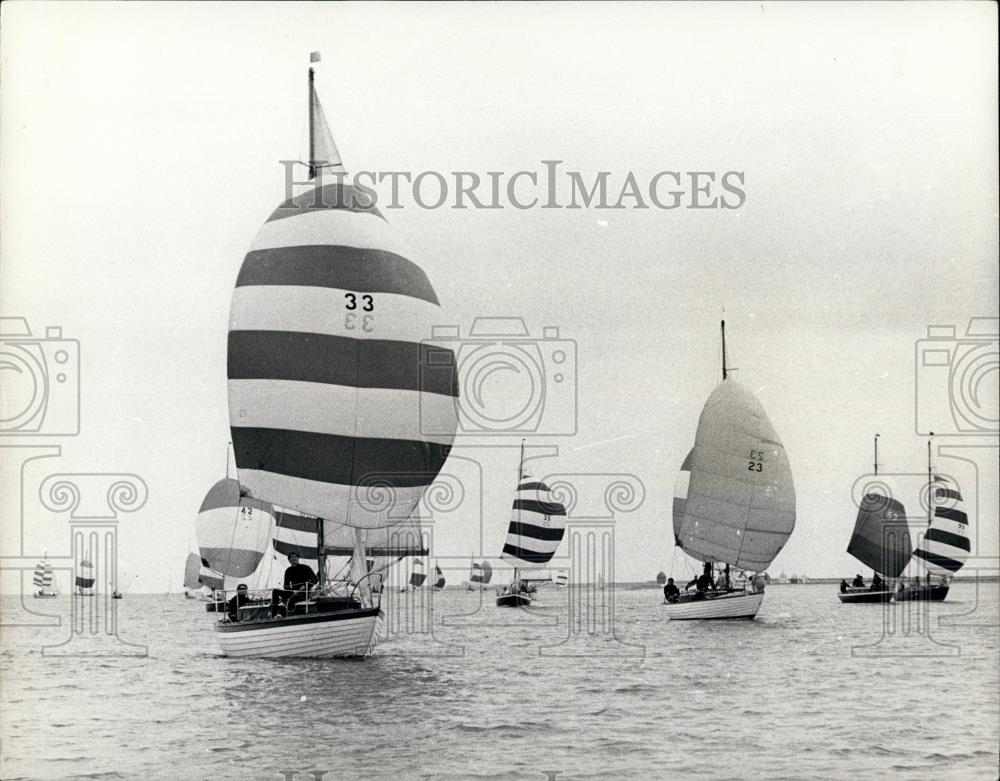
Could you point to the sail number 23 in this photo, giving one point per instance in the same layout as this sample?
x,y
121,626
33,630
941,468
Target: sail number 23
x,y
756,461
357,315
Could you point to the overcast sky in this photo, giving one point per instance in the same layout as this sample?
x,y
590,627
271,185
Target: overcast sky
x,y
140,149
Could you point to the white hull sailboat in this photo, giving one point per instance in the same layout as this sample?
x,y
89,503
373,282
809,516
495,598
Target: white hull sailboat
x,y
537,524
734,503
44,581
331,398
344,633
733,604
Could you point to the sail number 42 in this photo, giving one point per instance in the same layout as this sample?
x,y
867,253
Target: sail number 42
x,y
356,315
756,461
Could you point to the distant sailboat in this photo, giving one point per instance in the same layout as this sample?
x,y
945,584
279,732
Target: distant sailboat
x,y
945,545
479,576
417,577
44,581
880,541
84,580
734,502
561,578
192,586
332,390
537,525
439,580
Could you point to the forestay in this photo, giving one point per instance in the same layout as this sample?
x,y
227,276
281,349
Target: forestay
x,y
740,502
945,546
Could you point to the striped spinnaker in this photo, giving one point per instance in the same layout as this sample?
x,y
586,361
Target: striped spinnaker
x,y
537,524
84,574
417,574
438,577
233,530
945,546
482,572
43,575
211,579
740,503
296,533
333,390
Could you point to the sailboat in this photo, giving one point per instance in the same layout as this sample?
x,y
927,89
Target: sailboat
x,y
880,541
480,575
561,578
537,525
333,389
44,581
192,586
417,577
438,578
945,545
734,502
84,580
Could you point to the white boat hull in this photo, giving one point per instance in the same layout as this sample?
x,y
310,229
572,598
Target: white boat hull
x,y
317,636
729,606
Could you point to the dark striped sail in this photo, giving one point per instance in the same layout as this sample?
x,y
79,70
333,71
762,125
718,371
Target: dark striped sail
x,y
233,531
417,574
945,547
739,507
43,576
537,524
881,538
192,566
339,407
482,572
84,574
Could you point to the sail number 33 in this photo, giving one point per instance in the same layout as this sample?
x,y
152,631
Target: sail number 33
x,y
756,461
357,315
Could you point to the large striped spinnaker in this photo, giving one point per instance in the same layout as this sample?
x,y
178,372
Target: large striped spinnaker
x,y
234,531
537,525
945,546
739,506
339,406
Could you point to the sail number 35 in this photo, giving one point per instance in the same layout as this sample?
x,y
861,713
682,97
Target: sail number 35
x,y
756,463
356,315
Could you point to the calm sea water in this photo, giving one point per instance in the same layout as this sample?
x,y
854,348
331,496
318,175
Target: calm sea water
x,y
811,689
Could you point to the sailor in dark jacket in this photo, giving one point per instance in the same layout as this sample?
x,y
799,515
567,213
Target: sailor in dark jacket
x,y
299,579
242,598
670,592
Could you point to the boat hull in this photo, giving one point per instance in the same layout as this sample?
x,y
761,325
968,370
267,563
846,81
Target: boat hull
x,y
734,605
934,593
44,596
347,633
865,597
513,600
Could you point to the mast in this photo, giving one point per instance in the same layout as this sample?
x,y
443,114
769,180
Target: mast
x,y
320,553
724,372
930,496
312,137
876,454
